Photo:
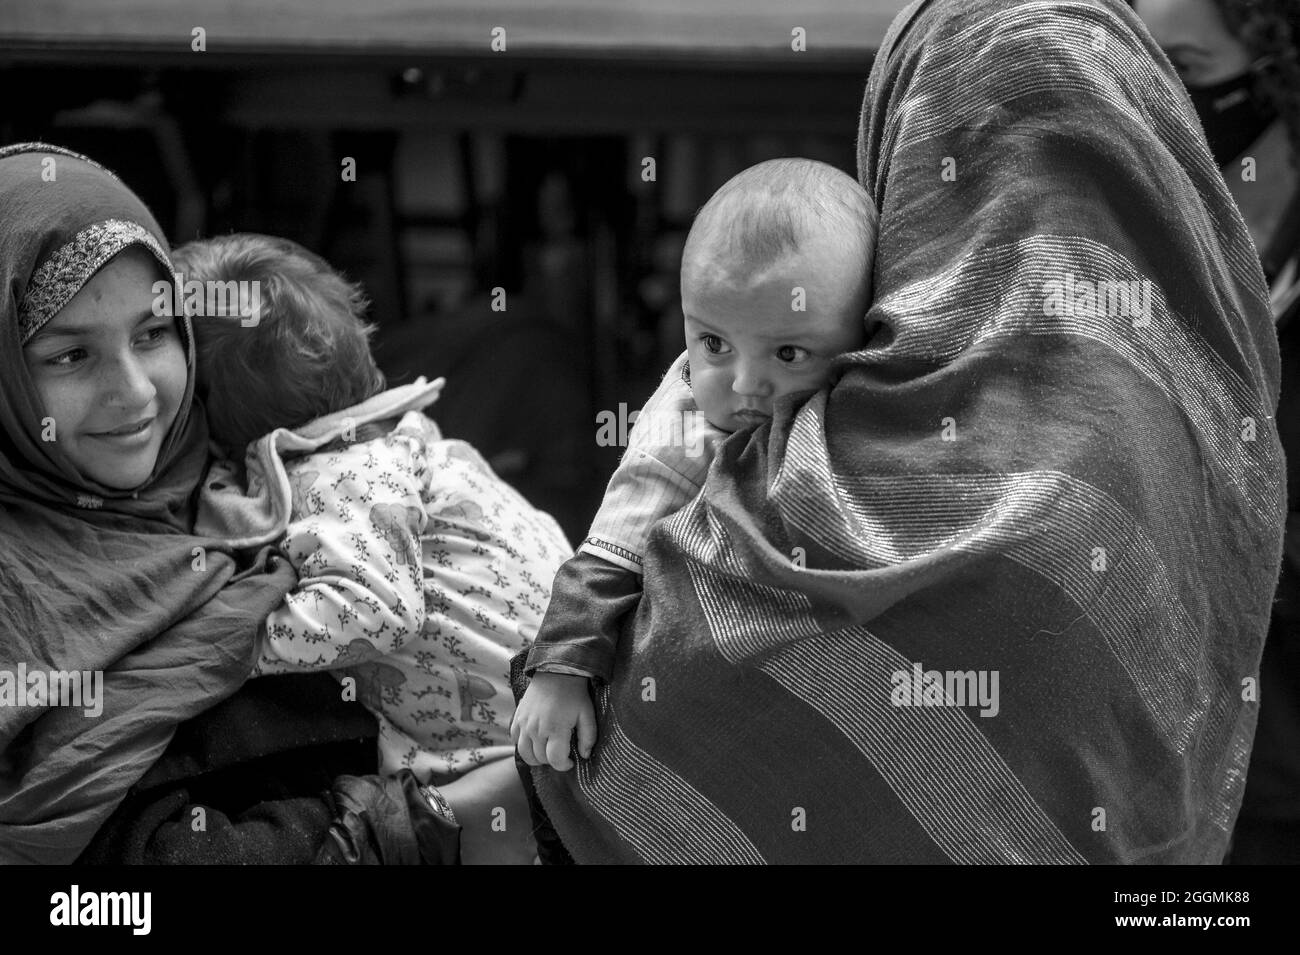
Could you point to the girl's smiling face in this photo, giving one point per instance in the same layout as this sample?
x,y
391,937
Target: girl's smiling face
x,y
110,373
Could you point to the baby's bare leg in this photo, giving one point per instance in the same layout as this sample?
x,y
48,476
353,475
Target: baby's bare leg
x,y
490,805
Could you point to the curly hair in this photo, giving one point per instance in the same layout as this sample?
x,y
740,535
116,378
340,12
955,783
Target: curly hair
x,y
307,356
1270,31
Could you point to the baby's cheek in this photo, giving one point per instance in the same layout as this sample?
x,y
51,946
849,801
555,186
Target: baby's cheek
x,y
816,375
711,390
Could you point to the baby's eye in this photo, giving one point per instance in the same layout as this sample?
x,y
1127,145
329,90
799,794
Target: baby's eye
x,y
713,344
792,353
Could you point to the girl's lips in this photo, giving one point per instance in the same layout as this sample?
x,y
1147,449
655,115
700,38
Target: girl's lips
x,y
126,431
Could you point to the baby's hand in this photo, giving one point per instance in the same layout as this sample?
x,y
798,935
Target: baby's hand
x,y
552,706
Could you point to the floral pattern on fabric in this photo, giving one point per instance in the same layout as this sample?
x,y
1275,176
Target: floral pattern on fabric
x,y
421,573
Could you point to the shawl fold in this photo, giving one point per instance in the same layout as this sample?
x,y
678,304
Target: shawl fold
x,y
252,505
999,593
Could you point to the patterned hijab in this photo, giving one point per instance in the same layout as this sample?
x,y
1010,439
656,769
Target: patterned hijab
x,y
94,579
66,217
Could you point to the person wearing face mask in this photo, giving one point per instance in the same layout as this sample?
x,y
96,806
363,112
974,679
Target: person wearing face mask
x,y
1240,63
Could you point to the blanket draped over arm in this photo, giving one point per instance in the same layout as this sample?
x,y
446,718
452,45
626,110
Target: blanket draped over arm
x,y
1053,473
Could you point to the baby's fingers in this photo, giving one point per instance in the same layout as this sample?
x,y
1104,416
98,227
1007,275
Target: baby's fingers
x,y
528,748
586,730
557,752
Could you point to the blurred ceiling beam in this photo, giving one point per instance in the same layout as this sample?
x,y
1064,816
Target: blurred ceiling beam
x,y
724,32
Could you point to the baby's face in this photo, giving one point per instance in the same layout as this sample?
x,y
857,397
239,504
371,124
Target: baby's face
x,y
748,344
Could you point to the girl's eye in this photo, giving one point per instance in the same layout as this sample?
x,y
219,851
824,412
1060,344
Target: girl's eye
x,y
67,358
792,353
713,343
152,336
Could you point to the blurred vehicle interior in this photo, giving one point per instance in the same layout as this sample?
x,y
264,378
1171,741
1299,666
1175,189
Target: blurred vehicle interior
x,y
525,172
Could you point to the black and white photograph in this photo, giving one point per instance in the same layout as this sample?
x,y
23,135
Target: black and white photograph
x,y
650,432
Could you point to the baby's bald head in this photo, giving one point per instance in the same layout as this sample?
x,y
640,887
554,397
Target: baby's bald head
x,y
775,209
776,282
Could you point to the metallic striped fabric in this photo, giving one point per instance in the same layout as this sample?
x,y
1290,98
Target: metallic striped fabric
x,y
998,596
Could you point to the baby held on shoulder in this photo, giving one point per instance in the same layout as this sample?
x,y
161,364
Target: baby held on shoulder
x,y
420,571
775,281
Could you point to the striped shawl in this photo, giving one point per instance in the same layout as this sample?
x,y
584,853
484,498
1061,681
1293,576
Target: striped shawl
x,y
1054,466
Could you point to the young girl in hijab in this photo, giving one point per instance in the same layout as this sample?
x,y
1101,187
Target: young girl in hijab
x,y
101,451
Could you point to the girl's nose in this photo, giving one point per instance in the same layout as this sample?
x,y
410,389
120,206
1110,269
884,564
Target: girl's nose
x,y
127,383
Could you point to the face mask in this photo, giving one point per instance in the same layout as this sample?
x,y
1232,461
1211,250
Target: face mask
x,y
1232,114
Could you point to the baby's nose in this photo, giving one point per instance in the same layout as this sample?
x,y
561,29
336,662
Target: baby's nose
x,y
751,382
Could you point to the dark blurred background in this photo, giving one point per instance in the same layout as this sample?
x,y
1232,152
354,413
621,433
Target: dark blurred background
x,y
476,169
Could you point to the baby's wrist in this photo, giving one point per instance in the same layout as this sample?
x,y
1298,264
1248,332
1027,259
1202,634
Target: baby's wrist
x,y
560,680
556,666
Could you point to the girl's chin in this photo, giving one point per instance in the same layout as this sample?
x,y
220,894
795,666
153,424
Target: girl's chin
x,y
122,462
126,476
122,482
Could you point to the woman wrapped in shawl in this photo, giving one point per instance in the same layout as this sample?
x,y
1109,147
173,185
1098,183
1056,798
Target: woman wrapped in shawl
x,y
1054,464
118,623
1240,62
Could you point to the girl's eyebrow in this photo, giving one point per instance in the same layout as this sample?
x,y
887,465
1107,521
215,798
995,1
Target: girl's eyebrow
x,y
78,331
63,331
